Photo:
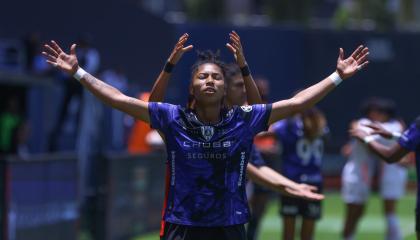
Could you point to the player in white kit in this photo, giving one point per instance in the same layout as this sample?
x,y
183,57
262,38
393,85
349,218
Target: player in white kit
x,y
360,167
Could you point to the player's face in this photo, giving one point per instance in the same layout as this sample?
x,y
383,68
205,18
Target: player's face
x,y
378,116
236,93
208,84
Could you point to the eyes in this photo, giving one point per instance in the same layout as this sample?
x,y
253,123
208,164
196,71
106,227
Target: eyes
x,y
215,76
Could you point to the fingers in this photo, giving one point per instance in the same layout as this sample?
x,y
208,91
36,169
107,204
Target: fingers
x,y
374,126
180,44
234,37
51,50
56,47
185,35
188,48
54,64
73,49
231,48
363,58
316,196
363,52
357,52
341,54
50,57
363,65
312,188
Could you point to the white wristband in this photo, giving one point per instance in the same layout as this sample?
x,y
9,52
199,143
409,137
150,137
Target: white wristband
x,y
369,138
79,73
335,78
396,135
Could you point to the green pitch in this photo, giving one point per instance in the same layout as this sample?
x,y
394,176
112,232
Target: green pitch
x,y
371,227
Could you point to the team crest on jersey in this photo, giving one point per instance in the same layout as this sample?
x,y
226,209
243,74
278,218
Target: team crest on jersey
x,y
247,108
207,132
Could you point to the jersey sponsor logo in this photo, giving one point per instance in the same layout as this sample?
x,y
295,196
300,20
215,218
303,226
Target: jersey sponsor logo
x,y
207,156
246,108
173,168
241,170
207,132
222,144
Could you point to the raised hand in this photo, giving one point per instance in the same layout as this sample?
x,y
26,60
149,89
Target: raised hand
x,y
305,191
61,60
235,47
357,60
179,49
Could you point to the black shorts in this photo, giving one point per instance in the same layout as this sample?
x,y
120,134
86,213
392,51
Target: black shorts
x,y
182,232
417,220
293,207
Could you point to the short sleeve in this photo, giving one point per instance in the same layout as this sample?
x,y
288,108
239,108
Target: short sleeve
x,y
256,158
256,117
279,129
410,139
161,115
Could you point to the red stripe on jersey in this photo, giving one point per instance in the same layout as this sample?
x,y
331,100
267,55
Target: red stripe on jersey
x,y
165,202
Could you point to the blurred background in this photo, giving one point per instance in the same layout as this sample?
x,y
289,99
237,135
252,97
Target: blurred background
x,y
72,168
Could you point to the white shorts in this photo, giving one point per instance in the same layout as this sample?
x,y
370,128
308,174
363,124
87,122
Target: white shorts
x,y
393,181
356,182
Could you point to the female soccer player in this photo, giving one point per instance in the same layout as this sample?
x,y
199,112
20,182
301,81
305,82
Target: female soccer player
x,y
302,142
360,167
408,142
208,147
236,95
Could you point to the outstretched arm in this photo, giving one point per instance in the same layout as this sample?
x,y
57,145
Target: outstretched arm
x,y
269,178
310,96
389,154
159,88
68,63
252,94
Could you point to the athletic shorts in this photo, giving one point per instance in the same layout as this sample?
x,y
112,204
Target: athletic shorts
x,y
393,181
417,220
356,182
292,207
182,232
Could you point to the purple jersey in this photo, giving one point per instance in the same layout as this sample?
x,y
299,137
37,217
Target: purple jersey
x,y
207,163
410,140
301,158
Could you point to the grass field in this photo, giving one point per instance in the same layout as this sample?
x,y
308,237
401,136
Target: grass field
x,y
371,227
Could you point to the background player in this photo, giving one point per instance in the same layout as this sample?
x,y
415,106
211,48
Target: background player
x,y
360,168
408,142
301,140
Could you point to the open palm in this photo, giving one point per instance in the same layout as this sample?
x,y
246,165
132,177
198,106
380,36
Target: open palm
x,y
61,60
305,191
349,66
179,49
235,46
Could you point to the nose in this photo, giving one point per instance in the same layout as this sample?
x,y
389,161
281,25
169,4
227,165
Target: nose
x,y
209,80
